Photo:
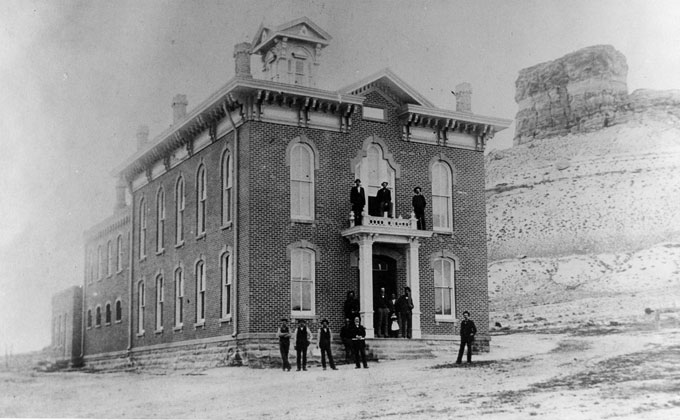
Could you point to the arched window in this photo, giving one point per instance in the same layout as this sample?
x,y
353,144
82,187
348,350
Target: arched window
x,y
160,220
159,303
227,175
119,310
179,297
226,269
89,318
98,317
302,272
119,253
100,258
444,287
140,307
442,206
375,165
179,211
109,258
142,228
200,292
107,314
201,196
301,182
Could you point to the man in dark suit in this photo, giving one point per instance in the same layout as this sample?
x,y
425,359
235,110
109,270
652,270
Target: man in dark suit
x,y
358,200
359,343
405,309
419,208
382,312
467,337
384,198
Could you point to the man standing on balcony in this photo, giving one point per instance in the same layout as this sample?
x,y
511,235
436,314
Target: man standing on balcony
x,y
384,198
419,208
358,200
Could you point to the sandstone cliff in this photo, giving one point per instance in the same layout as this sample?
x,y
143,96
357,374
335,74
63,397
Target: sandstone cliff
x,y
586,205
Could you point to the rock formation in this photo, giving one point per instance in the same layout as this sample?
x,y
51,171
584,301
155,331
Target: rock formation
x,y
590,192
581,92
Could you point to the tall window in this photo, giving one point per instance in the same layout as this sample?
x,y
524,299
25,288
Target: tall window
x,y
299,71
89,318
107,314
159,303
109,258
119,311
225,266
160,220
119,253
142,228
179,211
200,292
179,297
444,281
302,280
442,214
98,317
201,196
301,182
100,271
227,175
140,307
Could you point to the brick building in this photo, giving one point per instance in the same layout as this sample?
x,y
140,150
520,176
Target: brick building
x,y
67,314
239,213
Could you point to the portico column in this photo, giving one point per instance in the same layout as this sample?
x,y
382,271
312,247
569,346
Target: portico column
x,y
413,269
366,283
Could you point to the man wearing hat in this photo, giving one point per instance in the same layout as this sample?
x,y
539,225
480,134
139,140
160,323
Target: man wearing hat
x,y
324,339
384,198
284,342
358,200
419,208
302,339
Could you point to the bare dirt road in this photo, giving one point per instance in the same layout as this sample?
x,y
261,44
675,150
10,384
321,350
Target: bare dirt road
x,y
593,372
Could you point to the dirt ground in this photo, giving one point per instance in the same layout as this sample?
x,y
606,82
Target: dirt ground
x,y
628,371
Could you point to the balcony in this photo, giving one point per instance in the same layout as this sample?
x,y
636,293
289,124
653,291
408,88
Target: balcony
x,y
385,229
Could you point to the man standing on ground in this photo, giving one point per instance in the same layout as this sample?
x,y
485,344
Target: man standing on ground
x,y
359,343
346,336
284,342
419,205
302,339
405,309
358,200
324,340
467,337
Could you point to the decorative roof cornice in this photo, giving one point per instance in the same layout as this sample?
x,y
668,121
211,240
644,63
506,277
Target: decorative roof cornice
x,y
118,220
386,76
280,31
446,118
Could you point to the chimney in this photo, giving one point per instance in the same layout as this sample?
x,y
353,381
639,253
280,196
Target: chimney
x,y
464,97
242,59
179,107
120,194
142,136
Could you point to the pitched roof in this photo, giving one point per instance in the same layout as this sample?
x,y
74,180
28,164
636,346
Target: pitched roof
x,y
387,78
301,28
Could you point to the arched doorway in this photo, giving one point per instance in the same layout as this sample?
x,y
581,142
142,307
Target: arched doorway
x,y
384,275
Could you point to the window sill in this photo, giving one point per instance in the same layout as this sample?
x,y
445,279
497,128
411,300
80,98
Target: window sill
x,y
443,318
179,244
303,221
161,252
141,334
119,271
226,319
200,237
98,326
159,331
178,329
448,232
119,321
143,259
108,324
298,315
226,225
199,325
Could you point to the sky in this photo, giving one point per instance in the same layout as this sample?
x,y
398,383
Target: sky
x,y
78,77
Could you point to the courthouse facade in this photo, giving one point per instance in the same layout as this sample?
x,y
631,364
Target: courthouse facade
x,y
239,213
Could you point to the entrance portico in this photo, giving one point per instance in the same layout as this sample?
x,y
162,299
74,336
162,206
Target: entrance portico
x,y
386,230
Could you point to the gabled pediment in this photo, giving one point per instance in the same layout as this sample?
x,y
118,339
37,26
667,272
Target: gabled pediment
x,y
302,28
386,83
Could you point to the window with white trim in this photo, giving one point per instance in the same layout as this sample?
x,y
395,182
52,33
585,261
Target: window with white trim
x,y
142,228
89,318
442,206
119,310
227,175
302,271
179,211
226,269
107,314
119,253
201,196
160,220
200,292
109,258
301,182
444,287
159,303
140,307
100,258
98,317
179,297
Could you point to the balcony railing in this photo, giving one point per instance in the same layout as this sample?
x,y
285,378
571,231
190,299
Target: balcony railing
x,y
386,222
